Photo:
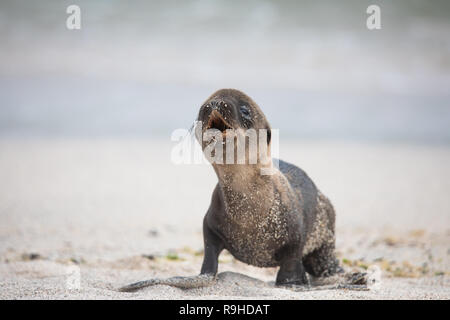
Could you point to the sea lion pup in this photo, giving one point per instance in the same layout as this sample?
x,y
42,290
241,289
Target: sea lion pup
x,y
263,215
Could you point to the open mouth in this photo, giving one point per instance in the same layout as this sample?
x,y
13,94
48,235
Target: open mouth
x,y
216,121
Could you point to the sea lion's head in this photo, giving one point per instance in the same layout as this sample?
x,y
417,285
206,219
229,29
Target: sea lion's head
x,y
229,115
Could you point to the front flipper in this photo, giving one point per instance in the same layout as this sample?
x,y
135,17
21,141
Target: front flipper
x,y
202,280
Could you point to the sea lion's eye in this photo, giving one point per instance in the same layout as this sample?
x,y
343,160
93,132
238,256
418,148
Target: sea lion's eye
x,y
245,112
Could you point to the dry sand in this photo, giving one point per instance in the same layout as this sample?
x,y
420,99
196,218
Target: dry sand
x,y
118,211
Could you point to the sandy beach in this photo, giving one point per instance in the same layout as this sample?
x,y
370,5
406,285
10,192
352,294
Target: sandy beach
x,y
80,218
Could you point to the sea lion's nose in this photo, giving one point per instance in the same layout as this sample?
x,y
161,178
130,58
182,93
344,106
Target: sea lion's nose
x,y
218,104
215,104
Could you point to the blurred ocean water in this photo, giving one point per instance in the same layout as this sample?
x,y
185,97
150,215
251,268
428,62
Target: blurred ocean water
x,y
143,68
